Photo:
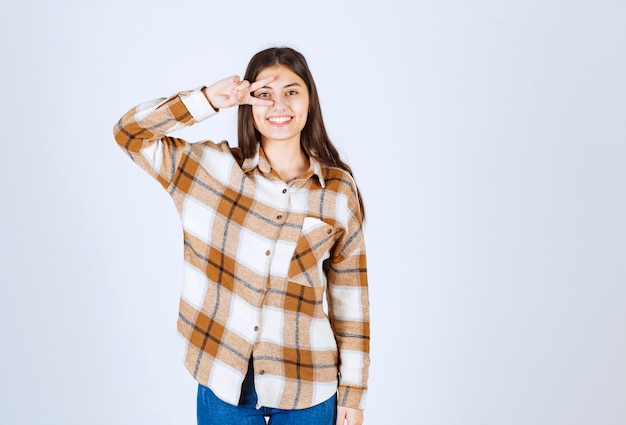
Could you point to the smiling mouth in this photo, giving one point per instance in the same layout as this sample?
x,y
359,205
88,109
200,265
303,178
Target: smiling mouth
x,y
279,120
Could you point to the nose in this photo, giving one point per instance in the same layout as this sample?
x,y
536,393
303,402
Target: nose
x,y
279,103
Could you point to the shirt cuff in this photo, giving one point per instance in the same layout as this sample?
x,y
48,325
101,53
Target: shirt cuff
x,y
198,105
352,397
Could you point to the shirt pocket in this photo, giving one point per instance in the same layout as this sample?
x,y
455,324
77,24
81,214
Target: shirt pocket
x,y
314,245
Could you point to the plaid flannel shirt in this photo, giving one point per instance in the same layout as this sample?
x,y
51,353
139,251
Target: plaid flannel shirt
x,y
272,270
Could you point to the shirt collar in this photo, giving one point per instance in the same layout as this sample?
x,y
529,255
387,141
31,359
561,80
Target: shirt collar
x,y
259,160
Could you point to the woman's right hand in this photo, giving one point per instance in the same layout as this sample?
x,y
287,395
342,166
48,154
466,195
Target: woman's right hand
x,y
232,91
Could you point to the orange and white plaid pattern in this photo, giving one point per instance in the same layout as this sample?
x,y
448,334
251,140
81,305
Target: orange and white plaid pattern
x,y
260,256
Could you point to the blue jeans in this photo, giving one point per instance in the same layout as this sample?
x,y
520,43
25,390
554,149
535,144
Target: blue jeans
x,y
213,411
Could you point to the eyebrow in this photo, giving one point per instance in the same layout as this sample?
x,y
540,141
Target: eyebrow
x,y
285,87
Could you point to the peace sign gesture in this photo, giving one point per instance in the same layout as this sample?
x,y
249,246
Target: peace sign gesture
x,y
232,91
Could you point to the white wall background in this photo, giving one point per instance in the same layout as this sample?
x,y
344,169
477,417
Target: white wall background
x,y
488,138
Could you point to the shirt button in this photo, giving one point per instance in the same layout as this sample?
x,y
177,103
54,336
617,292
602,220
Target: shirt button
x,y
256,328
261,372
279,216
329,231
267,252
284,190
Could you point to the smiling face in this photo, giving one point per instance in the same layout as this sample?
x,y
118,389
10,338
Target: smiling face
x,y
287,117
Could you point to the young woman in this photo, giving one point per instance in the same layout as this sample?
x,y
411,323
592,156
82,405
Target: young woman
x,y
274,312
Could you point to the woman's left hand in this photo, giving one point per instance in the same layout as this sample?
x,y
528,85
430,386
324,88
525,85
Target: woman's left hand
x,y
352,416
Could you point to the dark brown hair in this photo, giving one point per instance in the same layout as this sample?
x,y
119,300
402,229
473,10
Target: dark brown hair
x,y
314,140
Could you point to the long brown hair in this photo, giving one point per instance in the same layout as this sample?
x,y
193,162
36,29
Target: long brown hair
x,y
313,139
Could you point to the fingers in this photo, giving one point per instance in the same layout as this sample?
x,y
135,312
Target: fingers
x,y
254,101
262,83
341,415
238,92
349,416
244,92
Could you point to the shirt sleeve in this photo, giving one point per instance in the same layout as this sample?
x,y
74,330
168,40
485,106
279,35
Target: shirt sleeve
x,y
349,307
142,131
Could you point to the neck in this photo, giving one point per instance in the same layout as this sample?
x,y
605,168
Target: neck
x,y
286,158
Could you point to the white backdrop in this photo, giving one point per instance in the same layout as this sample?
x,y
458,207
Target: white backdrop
x,y
488,138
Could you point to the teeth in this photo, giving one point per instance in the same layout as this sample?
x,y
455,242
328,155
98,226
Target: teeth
x,y
279,120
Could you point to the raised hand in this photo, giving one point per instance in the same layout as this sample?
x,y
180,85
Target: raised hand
x,y
232,91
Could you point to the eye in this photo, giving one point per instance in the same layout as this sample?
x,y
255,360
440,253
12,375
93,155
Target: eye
x,y
292,92
262,94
